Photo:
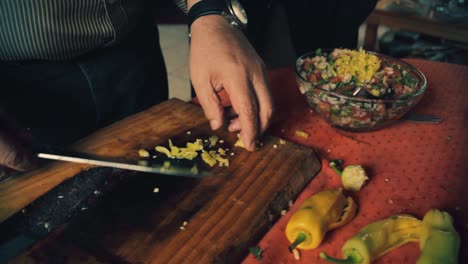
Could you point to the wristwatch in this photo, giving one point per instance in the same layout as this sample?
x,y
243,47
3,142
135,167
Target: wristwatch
x,y
231,10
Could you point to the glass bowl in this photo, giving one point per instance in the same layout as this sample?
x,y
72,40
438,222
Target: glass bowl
x,y
354,113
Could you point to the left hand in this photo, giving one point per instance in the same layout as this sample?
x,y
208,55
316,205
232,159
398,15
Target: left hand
x,y
222,58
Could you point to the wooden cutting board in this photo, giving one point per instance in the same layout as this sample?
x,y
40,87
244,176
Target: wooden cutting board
x,y
225,214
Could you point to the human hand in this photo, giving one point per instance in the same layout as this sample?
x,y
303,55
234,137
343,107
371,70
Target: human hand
x,y
13,153
222,58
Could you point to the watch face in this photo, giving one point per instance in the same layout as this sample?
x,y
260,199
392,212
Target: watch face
x,y
239,11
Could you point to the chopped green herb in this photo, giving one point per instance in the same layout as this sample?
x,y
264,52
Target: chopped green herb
x,y
257,252
318,52
322,81
408,80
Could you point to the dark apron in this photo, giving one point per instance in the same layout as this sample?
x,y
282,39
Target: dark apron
x,y
61,102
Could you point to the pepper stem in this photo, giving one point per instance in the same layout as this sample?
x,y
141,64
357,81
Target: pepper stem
x,y
301,237
333,165
348,260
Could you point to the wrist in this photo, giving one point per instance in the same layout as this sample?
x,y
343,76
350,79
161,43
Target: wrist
x,y
190,3
208,22
231,10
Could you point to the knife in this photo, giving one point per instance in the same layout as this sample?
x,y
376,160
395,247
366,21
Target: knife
x,y
187,169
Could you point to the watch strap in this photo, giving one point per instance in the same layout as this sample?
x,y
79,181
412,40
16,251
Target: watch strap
x,y
182,4
204,8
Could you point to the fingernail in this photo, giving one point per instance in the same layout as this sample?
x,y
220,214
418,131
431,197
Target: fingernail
x,y
215,124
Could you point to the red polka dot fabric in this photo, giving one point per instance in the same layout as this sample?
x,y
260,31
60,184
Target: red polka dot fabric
x,y
413,167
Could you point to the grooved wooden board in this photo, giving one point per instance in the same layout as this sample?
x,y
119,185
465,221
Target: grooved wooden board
x,y
226,213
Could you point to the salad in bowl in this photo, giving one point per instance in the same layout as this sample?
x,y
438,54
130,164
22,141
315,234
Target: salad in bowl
x,y
355,90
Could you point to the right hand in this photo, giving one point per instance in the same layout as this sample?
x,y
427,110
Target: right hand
x,y
13,152
221,58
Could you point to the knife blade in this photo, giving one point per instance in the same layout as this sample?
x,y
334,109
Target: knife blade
x,y
189,169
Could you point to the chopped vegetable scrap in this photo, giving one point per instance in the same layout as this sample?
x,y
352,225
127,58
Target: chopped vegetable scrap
x,y
353,177
302,134
213,140
239,144
322,212
167,165
256,252
297,254
378,238
143,153
439,241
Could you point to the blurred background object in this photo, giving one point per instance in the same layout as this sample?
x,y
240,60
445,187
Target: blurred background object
x,y
428,29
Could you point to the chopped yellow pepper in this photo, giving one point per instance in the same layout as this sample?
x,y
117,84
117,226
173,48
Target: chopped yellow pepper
x,y
208,159
164,150
213,140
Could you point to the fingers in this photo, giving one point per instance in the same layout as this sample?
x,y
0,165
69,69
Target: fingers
x,y
244,103
211,105
234,125
13,155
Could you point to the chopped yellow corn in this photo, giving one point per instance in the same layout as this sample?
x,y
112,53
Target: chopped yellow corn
x,y
282,141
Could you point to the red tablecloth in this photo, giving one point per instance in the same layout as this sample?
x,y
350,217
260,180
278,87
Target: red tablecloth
x,y
412,167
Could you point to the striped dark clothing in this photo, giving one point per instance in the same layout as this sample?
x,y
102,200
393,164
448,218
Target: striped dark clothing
x,y
58,30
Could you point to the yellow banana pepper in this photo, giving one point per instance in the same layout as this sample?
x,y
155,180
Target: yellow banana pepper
x,y
318,214
378,238
439,240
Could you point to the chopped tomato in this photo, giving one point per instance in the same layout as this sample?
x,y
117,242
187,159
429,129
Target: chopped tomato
x,y
312,78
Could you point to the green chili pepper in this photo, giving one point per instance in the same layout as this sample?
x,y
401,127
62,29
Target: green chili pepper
x,y
439,241
378,238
